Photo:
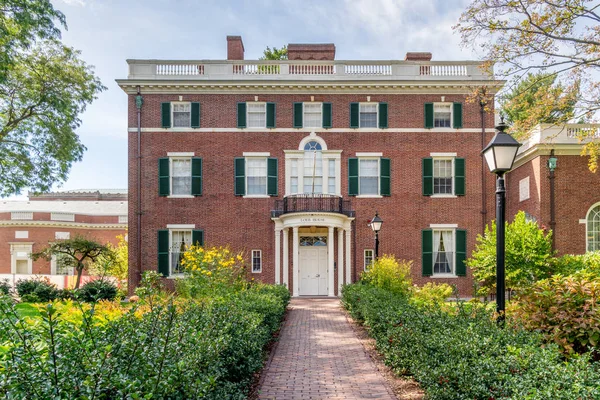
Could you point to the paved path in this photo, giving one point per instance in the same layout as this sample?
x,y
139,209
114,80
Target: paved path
x,y
319,357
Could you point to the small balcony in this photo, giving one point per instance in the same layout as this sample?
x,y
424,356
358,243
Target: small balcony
x,y
312,203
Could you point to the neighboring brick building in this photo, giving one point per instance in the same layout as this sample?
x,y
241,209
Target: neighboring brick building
x,y
28,226
289,160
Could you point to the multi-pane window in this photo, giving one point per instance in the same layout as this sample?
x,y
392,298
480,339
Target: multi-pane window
x,y
180,240
23,215
182,115
368,176
368,259
257,115
442,115
443,252
294,175
256,261
63,265
331,177
313,168
313,116
442,176
61,216
593,229
181,176
368,115
256,173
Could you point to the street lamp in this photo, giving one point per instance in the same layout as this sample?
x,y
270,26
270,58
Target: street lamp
x,y
375,224
500,154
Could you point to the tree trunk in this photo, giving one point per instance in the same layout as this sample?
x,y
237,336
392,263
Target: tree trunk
x,y
79,272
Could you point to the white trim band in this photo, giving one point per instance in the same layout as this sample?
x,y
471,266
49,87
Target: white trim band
x,y
181,226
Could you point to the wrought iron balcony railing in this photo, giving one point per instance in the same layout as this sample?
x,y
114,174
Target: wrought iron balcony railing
x,y
312,203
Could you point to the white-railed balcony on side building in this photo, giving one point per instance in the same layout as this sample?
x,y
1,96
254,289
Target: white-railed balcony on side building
x,y
564,134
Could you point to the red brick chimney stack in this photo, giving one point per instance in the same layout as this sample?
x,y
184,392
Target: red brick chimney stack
x,y
418,56
235,48
323,51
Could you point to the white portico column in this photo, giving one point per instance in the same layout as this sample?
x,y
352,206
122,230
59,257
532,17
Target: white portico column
x,y
340,262
331,276
286,258
277,256
348,254
295,261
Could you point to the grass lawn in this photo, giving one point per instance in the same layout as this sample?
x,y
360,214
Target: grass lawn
x,y
27,310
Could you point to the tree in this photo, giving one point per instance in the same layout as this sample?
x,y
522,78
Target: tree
x,y
78,252
560,38
44,87
528,255
538,98
114,262
275,53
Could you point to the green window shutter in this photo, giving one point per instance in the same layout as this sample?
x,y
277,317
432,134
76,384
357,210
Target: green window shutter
x,y
198,237
271,115
327,116
383,115
457,116
352,176
241,115
164,184
427,252
196,176
459,176
298,110
428,115
163,252
384,177
461,252
354,110
240,176
166,114
195,115
427,176
272,181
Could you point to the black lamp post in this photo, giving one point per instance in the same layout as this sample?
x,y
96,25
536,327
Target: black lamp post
x,y
375,224
500,154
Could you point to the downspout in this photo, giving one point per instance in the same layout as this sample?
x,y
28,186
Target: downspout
x,y
482,104
138,268
552,195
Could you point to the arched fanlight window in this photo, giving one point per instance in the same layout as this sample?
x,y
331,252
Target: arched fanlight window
x,y
593,228
313,168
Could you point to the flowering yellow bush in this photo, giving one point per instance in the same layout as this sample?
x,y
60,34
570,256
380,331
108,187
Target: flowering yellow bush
x,y
390,273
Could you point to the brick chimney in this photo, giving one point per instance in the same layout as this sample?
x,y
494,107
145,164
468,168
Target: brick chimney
x,y
235,48
418,56
323,51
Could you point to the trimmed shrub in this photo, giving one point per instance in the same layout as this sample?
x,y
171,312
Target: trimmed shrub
x,y
39,289
391,274
466,355
588,263
431,294
99,289
5,287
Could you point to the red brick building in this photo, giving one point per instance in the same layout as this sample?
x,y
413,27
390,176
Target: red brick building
x,y
28,226
289,160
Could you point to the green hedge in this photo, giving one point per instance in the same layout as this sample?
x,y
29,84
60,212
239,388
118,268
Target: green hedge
x,y
206,349
466,356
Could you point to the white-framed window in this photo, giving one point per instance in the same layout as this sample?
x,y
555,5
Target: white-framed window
x,y
313,115
524,189
443,252
294,175
181,114
20,261
62,216
61,264
179,240
368,176
331,176
443,176
122,219
368,115
62,235
21,234
256,176
313,168
442,115
256,114
181,175
593,228
369,258
256,261
21,215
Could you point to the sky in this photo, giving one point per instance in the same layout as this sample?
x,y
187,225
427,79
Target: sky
x,y
108,32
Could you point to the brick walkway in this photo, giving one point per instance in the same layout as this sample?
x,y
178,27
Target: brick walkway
x,y
319,357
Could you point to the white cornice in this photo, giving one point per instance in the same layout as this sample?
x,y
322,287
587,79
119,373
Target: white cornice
x,y
544,150
57,224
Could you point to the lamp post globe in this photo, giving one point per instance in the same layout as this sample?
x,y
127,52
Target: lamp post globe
x,y
375,225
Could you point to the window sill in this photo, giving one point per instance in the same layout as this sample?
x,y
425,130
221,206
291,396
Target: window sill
x,y
442,276
175,276
256,196
257,272
181,196
369,196
443,196
180,128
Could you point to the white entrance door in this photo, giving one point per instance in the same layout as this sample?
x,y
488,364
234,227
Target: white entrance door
x,y
313,271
